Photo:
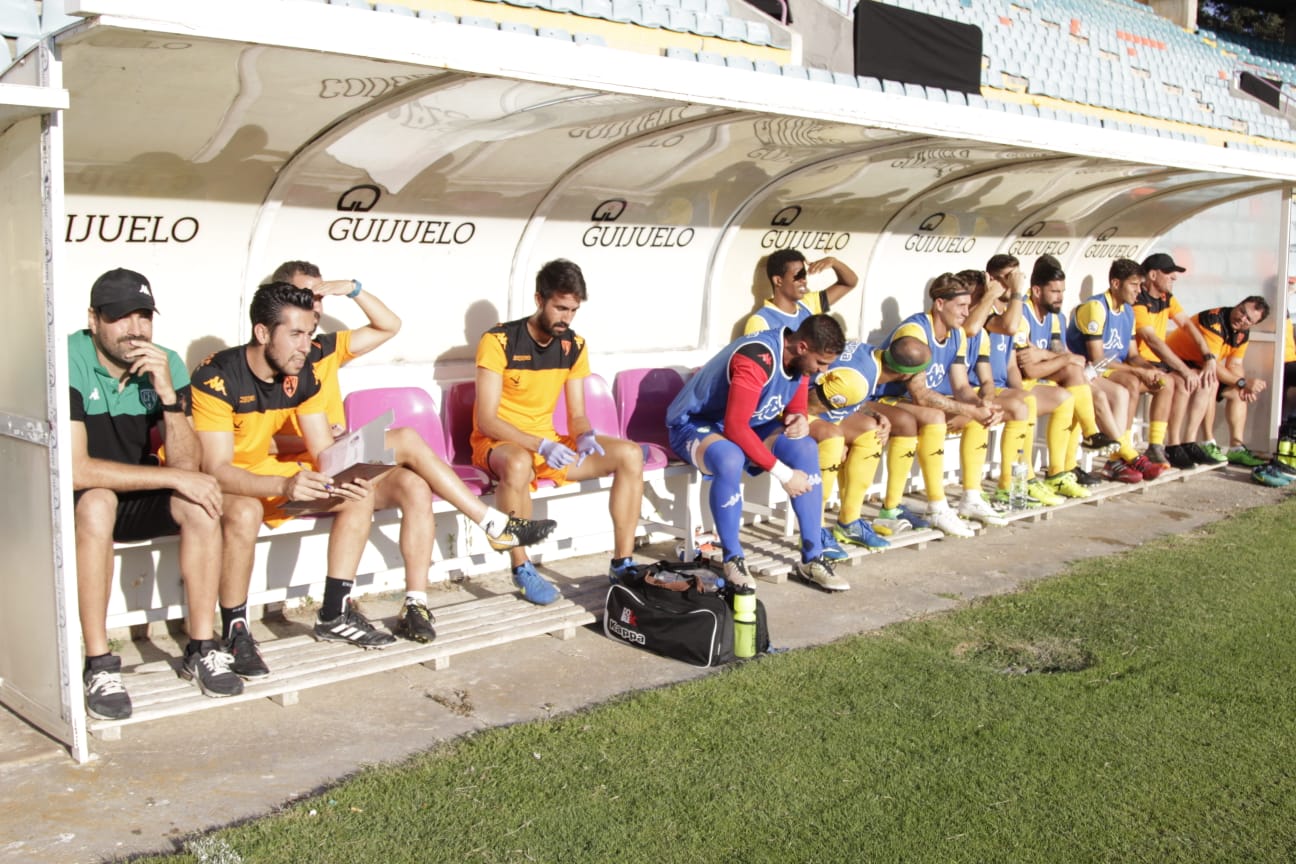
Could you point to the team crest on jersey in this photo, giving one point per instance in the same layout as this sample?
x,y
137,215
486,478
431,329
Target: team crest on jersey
x,y
1092,327
771,410
935,375
290,385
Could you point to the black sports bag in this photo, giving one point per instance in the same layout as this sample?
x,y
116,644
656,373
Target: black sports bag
x,y
669,611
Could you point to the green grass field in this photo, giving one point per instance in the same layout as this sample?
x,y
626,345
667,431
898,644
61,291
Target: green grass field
x,y
1137,709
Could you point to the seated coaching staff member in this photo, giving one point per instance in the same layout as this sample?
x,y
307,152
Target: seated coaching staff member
x,y
122,387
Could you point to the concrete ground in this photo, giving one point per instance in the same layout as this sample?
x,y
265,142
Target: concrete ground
x,y
165,780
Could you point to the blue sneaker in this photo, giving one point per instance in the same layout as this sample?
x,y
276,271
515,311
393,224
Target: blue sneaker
x,y
627,573
903,513
533,585
831,549
1267,475
860,533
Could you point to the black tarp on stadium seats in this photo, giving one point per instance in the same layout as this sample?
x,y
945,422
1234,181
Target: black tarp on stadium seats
x,y
916,48
1267,90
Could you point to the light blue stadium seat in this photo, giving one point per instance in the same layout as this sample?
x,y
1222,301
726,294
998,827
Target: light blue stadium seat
x,y
438,15
956,97
589,39
681,20
517,27
654,15
739,63
355,4
889,86
976,100
627,11
598,9
717,7
711,58
769,67
709,25
675,52
916,90
524,3
823,76
697,7
845,79
734,29
394,9
868,82
793,71
758,33
571,7
936,94
479,21
559,33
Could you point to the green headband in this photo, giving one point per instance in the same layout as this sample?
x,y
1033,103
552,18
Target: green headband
x,y
891,361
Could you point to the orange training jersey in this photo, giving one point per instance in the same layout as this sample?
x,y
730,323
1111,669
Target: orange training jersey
x,y
1154,313
329,352
227,397
1221,339
533,376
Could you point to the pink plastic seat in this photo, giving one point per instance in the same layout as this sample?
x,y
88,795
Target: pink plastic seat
x,y
414,409
641,397
600,408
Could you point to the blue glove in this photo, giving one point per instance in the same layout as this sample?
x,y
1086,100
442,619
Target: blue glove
x,y
587,445
556,454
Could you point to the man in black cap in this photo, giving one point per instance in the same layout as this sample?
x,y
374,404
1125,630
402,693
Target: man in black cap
x,y
1153,308
122,387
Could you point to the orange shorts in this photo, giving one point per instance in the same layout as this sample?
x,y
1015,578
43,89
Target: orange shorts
x,y
286,465
482,447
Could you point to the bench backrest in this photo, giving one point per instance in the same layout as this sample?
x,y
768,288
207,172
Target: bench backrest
x,y
642,396
600,408
413,408
459,404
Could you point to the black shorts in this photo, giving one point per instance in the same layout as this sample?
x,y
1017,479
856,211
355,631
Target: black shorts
x,y
141,515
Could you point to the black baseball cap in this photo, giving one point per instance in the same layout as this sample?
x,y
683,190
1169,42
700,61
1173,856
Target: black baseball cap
x,y
120,292
1163,262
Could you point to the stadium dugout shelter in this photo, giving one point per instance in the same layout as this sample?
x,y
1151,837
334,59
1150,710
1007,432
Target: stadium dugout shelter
x,y
202,142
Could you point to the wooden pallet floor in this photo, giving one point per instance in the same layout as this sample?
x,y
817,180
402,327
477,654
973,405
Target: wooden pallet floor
x,y
299,662
771,554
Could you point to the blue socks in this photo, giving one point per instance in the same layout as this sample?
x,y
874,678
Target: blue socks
x,y
802,454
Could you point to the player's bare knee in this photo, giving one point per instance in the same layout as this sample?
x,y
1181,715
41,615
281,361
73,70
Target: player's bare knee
x,y
96,514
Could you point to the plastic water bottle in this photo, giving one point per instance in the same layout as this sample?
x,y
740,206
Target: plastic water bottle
x,y
744,606
1017,487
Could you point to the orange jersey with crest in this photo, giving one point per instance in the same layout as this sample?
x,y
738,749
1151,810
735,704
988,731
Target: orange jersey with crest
x,y
227,397
533,375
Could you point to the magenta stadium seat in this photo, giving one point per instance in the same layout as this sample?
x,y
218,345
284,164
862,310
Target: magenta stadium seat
x,y
642,397
414,409
459,421
599,408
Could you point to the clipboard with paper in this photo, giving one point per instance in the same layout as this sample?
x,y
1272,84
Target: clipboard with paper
x,y
359,454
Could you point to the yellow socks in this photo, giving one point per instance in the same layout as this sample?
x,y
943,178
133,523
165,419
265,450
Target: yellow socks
x,y
830,460
899,459
861,464
931,460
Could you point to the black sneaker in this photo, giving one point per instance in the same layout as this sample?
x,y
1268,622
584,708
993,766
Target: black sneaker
x,y
1099,441
1179,457
1198,455
209,668
414,622
352,627
105,696
521,532
243,648
1087,478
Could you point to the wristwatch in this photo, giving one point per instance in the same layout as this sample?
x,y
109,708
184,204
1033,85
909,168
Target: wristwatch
x,y
1241,383
1207,356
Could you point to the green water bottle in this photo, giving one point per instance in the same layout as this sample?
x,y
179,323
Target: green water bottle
x,y
744,607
